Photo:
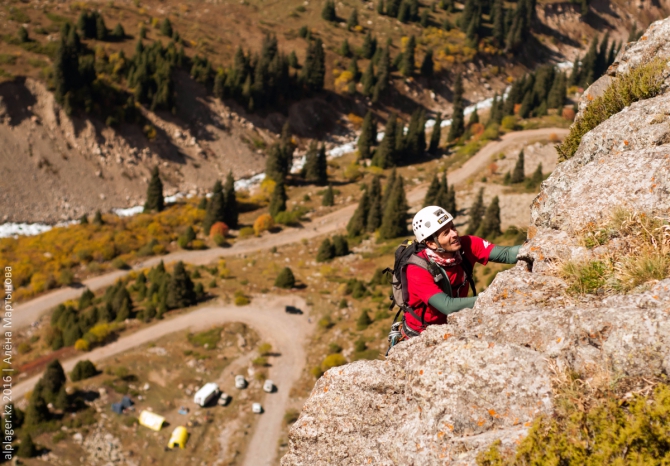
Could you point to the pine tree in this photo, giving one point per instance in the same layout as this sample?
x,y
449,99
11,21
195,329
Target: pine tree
x,y
557,93
345,48
380,7
474,117
407,66
404,12
215,208
368,136
328,197
389,187
166,27
526,105
328,11
518,174
97,218
27,447
427,64
458,119
100,28
314,70
374,219
431,193
536,178
490,226
352,22
231,210
37,411
394,220
278,199
180,291
326,251
469,12
155,200
498,20
386,155
363,320
52,380
23,35
118,32
442,197
435,136
353,69
369,46
285,279
358,222
425,18
477,210
588,68
340,245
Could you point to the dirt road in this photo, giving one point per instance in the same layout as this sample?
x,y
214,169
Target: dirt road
x,y
30,311
286,332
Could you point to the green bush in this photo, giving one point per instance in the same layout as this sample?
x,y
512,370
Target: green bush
x,y
363,321
207,339
333,360
246,232
587,277
83,370
641,82
285,279
326,322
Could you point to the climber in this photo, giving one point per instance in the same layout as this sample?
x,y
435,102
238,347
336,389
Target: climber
x,y
432,276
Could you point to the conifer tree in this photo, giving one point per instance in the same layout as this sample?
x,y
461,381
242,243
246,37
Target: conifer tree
x,y
328,197
425,18
389,187
215,208
231,210
100,28
442,197
363,320
380,7
457,120
326,251
278,199
352,22
358,222
498,20
166,27
435,136
369,46
285,279
23,35
368,80
427,64
496,110
490,226
52,380
394,220
37,411
314,70
537,177
155,200
97,218
404,12
118,32
275,165
557,92
477,210
180,292
518,174
27,447
340,245
386,155
431,193
407,66
353,69
328,11
474,117
588,67
374,219
345,48
383,73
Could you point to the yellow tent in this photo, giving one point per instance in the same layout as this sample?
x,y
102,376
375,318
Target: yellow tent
x,y
151,420
178,438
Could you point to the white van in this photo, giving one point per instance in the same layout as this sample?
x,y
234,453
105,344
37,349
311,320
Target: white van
x,y
206,394
256,408
268,386
240,381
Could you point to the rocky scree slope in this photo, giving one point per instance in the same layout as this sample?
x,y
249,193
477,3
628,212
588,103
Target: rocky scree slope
x,y
446,396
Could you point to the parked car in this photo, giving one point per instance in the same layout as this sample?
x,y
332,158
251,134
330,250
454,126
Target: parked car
x,y
240,382
223,399
292,310
206,394
256,408
268,386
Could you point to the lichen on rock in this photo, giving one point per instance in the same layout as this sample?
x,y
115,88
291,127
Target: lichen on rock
x,y
483,377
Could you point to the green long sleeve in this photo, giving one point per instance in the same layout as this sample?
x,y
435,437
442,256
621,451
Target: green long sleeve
x,y
448,305
505,254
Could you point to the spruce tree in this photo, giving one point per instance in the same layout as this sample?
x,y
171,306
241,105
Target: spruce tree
x,y
166,27
352,22
215,208
435,136
389,187
498,20
518,174
425,18
394,220
275,163
374,219
340,245
155,200
97,218
490,226
442,197
100,28
84,369
407,66
477,210
431,193
353,69
404,14
368,80
285,279
386,155
457,120
326,251
427,64
23,35
37,411
363,320
380,7
27,447
231,210
474,117
368,136
314,70
321,174
278,199
537,177
52,380
358,222
369,46
328,197
328,11
180,291
345,48
557,92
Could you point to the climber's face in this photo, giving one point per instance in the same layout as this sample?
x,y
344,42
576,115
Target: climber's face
x,y
447,237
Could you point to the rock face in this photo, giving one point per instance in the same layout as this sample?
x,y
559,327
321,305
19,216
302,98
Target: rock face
x,y
444,397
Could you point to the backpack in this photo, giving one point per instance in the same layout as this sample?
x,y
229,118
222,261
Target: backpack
x,y
406,254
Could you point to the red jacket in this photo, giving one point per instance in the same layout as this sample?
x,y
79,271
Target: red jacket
x,y
421,286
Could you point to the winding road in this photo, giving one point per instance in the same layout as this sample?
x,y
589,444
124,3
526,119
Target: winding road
x,y
286,333
266,315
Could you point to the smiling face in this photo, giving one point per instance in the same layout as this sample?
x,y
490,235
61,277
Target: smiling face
x,y
448,238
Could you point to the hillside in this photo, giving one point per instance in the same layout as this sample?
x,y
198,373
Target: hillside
x,y
563,357
84,161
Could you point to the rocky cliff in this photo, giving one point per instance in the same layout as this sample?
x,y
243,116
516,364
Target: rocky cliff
x,y
446,396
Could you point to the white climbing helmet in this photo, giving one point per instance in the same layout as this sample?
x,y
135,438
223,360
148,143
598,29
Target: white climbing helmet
x,y
429,220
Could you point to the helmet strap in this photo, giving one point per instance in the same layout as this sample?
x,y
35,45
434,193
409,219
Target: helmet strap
x,y
439,249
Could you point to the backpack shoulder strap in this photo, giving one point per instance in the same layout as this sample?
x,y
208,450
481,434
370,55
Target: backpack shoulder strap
x,y
468,268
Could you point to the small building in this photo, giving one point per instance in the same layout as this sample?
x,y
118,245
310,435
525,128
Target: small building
x,y
151,420
206,394
178,437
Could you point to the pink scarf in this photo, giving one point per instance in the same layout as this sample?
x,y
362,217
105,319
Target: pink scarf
x,y
442,261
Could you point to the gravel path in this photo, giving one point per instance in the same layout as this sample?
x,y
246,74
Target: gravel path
x,y
286,332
